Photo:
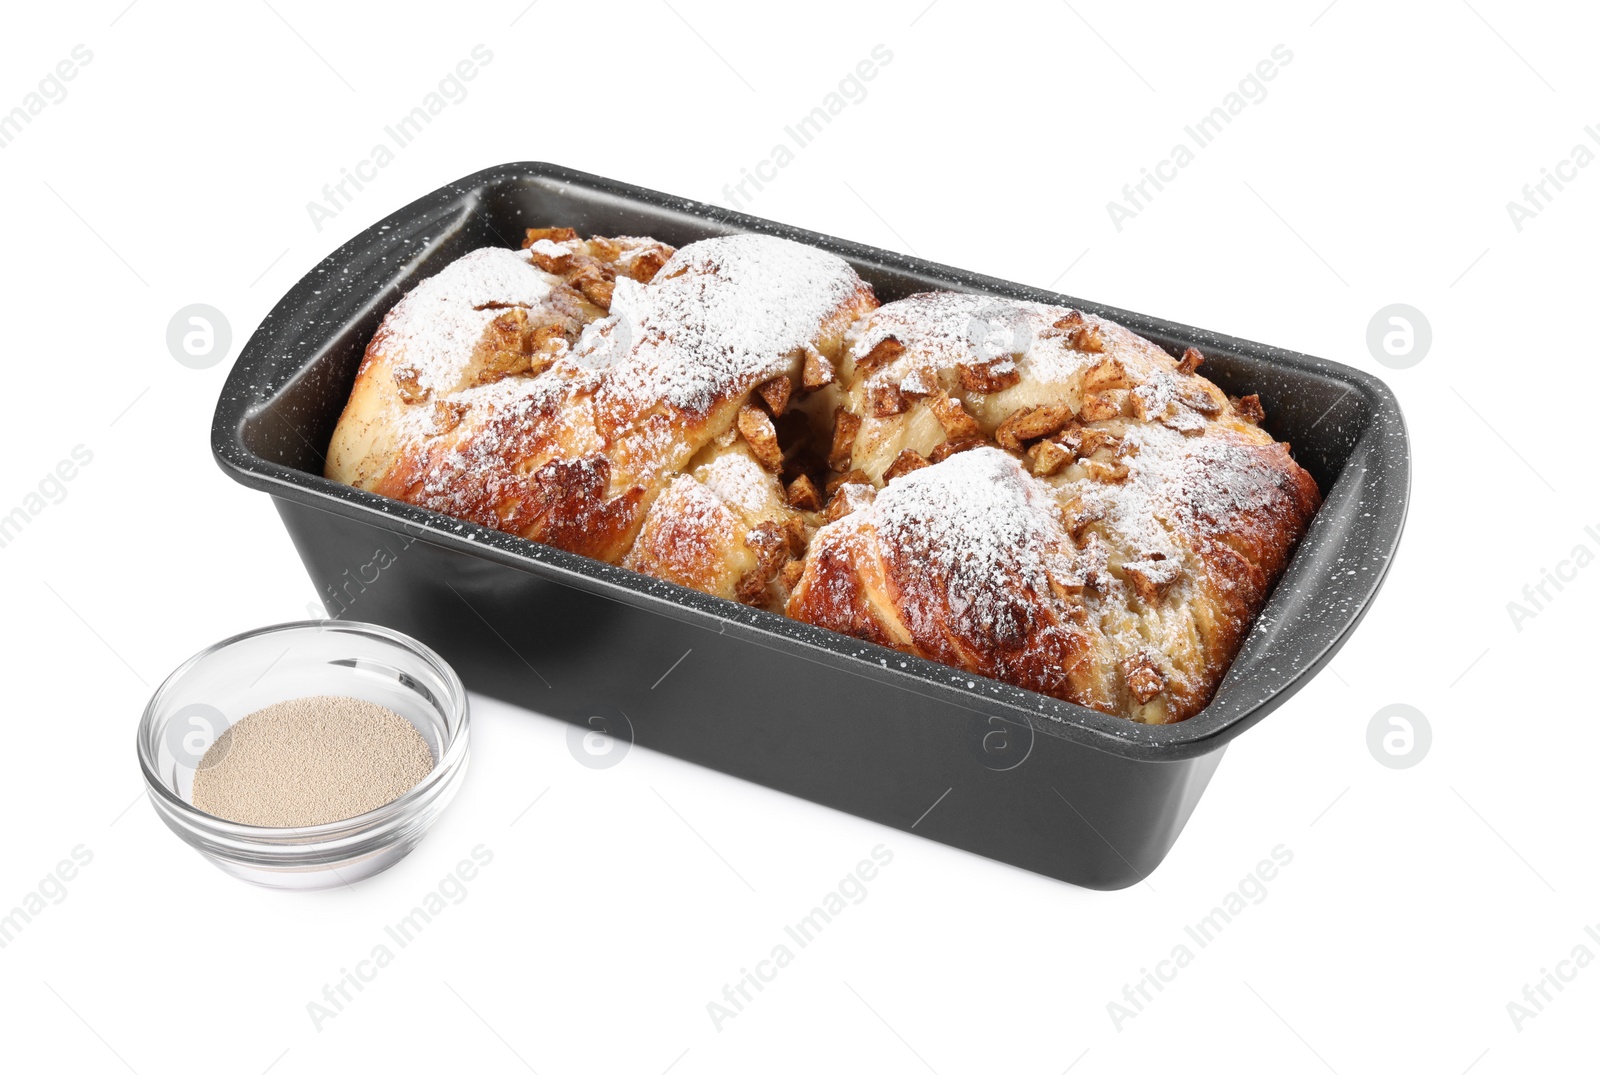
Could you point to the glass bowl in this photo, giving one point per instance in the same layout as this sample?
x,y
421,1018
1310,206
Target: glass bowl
x,y
242,674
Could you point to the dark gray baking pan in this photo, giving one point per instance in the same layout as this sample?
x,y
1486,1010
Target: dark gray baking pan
x,y
1002,772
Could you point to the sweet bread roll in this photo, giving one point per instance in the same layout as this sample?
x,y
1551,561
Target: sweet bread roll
x,y
964,562
726,528
569,438
462,345
1074,512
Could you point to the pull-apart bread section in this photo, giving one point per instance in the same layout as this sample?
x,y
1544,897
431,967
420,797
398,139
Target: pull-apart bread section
x,y
1022,491
555,392
1041,496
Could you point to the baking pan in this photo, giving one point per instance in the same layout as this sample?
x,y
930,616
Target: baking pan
x,y
1046,785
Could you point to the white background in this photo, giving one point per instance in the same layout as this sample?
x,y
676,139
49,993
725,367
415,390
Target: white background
x,y
1377,170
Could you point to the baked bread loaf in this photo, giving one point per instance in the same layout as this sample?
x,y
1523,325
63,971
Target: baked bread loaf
x,y
1023,491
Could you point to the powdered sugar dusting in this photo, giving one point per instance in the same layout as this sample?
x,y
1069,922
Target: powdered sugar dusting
x,y
739,480
947,327
918,383
1181,489
721,316
942,329
435,328
977,522
1139,510
551,249
1225,483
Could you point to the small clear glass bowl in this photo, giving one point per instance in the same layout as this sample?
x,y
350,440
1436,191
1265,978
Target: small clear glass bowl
x,y
240,675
